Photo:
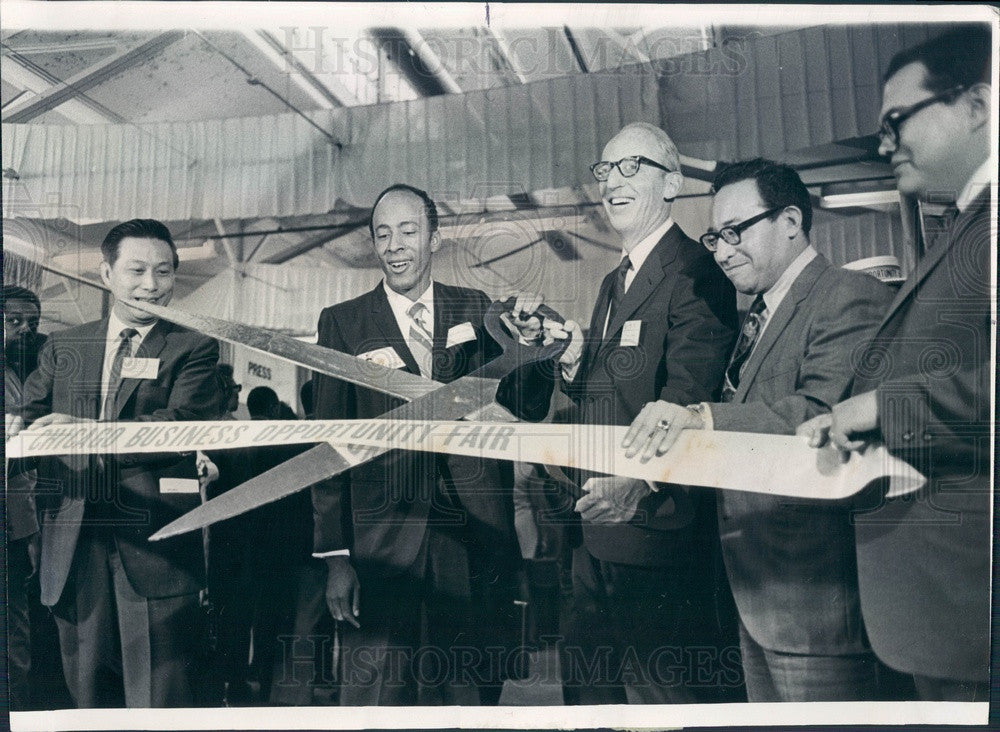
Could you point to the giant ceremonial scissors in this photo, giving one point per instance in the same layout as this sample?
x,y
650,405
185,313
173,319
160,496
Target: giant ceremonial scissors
x,y
473,395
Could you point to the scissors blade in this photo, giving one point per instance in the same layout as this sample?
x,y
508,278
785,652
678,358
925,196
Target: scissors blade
x,y
461,398
394,382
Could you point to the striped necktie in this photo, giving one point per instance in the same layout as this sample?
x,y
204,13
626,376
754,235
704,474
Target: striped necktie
x,y
421,338
115,377
617,290
752,327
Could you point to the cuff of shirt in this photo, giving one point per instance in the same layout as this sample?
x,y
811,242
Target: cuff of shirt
x,y
705,412
334,553
569,372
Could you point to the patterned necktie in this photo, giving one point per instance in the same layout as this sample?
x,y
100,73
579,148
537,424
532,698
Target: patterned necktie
x,y
421,338
618,289
940,229
115,377
752,327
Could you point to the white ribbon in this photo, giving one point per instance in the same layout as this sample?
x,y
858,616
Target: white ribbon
x,y
780,465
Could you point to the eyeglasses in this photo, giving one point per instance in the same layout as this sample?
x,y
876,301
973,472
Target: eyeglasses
x,y
626,166
889,127
731,234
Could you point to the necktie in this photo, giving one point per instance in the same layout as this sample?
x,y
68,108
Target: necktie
x,y
752,327
115,378
421,338
940,229
618,289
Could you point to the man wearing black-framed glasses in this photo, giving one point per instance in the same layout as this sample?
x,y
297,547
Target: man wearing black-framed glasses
x,y
791,568
662,327
924,561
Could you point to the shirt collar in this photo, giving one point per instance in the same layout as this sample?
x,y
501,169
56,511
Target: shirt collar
x,y
401,304
642,250
116,326
975,185
774,295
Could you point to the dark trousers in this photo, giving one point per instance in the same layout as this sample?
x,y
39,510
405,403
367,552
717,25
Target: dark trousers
x,y
772,676
18,624
932,689
627,637
118,646
435,633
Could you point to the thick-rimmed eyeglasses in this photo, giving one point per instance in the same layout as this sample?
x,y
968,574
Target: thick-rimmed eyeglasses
x,y
731,234
888,131
626,166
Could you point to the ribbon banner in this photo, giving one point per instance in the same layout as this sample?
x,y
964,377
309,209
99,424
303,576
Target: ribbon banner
x,y
780,465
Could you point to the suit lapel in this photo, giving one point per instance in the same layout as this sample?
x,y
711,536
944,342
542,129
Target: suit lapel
x,y
595,335
646,280
931,259
92,348
444,317
385,321
150,347
799,290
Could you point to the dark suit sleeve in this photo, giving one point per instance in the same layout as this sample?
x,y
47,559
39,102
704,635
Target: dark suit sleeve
x,y
702,332
194,394
527,391
847,314
334,399
36,399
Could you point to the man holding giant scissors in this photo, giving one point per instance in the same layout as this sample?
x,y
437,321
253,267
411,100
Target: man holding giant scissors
x,y
415,534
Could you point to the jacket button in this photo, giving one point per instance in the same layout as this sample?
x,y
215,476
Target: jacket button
x,y
907,436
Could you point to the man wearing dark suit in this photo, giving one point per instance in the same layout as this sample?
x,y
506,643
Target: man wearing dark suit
x,y
790,563
662,328
924,560
126,608
414,535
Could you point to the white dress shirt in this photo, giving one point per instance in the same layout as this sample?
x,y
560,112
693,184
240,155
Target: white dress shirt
x,y
112,340
401,305
979,180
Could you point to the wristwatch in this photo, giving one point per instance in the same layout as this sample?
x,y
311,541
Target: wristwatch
x,y
698,411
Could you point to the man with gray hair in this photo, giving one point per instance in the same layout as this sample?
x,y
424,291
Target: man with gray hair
x,y
662,328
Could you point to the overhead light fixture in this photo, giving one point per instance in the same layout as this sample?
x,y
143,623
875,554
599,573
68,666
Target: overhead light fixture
x,y
859,199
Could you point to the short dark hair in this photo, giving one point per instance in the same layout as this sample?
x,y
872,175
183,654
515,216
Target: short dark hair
x,y
13,292
778,185
960,57
430,209
261,400
225,376
139,229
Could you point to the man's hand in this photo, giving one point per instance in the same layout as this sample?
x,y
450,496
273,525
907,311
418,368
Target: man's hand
x,y
525,315
343,591
611,499
656,429
842,427
58,418
12,425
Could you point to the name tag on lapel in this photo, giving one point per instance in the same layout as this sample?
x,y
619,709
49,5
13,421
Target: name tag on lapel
x,y
178,485
140,368
386,356
630,333
461,333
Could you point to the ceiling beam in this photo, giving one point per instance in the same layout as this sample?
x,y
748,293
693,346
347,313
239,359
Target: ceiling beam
x,y
90,77
327,95
505,52
25,74
416,61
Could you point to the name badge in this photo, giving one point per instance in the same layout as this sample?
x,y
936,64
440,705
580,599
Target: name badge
x,y
461,333
386,356
630,333
140,368
178,485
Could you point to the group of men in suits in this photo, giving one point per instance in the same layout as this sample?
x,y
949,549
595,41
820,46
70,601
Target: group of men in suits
x,y
420,549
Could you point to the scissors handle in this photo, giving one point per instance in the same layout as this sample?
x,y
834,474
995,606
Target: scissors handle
x,y
516,354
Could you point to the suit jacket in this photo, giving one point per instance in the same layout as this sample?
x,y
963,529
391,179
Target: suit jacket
x,y
924,561
122,492
381,510
791,563
20,515
687,310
